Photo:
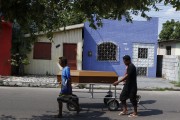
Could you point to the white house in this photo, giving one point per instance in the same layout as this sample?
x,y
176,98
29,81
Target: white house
x,y
45,54
168,62
170,47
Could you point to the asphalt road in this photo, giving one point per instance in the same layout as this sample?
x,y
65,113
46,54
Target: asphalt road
x,y
18,103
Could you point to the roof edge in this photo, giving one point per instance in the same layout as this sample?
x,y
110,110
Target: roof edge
x,y
71,27
161,41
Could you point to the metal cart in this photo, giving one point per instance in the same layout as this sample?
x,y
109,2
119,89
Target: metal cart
x,y
110,99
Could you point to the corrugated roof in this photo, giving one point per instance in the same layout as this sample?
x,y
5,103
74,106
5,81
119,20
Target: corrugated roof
x,y
77,26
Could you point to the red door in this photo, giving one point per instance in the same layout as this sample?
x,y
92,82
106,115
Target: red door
x,y
5,48
70,52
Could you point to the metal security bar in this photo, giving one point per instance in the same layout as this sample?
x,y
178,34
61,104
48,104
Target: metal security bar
x,y
141,71
107,51
142,52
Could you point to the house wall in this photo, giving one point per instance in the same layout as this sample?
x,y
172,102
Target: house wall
x,y
171,67
175,48
5,48
38,66
125,36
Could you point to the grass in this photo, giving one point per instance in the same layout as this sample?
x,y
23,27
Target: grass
x,y
163,89
177,84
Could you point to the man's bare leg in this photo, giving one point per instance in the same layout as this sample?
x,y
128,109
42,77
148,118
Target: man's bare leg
x,y
124,112
134,103
60,108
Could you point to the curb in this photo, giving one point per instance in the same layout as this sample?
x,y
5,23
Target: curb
x,y
96,88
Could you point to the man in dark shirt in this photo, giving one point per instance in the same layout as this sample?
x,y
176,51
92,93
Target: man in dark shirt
x,y
130,87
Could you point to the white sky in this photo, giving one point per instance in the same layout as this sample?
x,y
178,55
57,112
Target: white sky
x,y
165,13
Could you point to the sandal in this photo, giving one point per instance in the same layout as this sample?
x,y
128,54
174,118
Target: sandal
x,y
132,115
122,113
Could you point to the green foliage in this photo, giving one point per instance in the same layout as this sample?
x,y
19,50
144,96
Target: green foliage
x,y
17,60
47,15
176,33
163,89
177,84
170,31
40,15
21,46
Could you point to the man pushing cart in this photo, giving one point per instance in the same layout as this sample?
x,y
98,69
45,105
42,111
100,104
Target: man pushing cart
x,y
129,90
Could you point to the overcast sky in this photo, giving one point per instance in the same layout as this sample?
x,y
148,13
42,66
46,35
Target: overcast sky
x,y
165,13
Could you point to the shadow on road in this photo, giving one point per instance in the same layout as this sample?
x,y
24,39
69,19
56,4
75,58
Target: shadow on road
x,y
147,102
149,112
90,111
7,117
97,106
83,115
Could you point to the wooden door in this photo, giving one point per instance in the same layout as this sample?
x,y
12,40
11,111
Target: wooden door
x,y
70,52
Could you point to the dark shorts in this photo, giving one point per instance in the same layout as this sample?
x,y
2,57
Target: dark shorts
x,y
64,98
67,98
128,94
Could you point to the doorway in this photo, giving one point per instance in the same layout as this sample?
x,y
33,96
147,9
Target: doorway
x,y
70,52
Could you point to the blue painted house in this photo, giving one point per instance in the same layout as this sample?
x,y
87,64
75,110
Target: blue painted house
x,y
104,48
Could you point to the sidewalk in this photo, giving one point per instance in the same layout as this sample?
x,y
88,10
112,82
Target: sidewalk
x,y
51,81
155,84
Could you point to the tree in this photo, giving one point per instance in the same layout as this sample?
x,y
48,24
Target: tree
x,y
48,15
21,46
170,31
33,16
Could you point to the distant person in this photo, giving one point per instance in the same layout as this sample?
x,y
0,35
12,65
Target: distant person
x,y
66,88
130,87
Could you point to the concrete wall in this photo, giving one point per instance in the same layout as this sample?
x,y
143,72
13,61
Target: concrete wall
x,y
177,51
38,66
126,36
171,67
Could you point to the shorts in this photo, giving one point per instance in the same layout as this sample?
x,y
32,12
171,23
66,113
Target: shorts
x,y
128,94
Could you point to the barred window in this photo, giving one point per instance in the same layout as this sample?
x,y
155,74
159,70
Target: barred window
x,y
107,51
142,71
142,52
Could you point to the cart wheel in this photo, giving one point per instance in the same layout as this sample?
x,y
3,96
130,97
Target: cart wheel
x,y
113,105
70,107
138,98
107,98
75,100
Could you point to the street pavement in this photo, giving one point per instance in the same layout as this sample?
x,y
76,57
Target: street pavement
x,y
32,103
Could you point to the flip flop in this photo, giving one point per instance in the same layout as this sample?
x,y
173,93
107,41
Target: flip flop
x,y
122,113
132,115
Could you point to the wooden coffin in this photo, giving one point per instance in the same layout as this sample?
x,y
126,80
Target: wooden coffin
x,y
83,76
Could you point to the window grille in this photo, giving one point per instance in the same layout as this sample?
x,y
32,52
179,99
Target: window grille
x,y
142,71
107,51
142,52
